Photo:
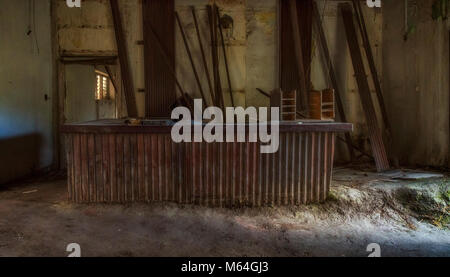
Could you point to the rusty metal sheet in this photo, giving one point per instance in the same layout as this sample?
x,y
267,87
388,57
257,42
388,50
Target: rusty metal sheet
x,y
124,168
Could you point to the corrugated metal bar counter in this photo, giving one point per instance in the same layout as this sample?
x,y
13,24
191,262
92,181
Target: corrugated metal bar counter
x,y
111,162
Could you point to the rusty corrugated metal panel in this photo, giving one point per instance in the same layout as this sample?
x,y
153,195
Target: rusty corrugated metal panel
x,y
159,82
124,168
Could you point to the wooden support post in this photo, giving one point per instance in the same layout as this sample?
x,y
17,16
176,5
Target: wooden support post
x,y
376,139
130,97
332,74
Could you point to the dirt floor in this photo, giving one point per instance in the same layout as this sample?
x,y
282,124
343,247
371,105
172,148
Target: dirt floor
x,y
406,218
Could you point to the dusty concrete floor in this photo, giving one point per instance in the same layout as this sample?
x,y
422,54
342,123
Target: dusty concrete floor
x,y
35,220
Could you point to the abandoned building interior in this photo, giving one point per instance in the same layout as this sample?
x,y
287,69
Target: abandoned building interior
x,y
86,153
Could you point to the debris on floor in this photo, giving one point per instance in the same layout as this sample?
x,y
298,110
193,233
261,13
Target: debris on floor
x,y
406,218
411,175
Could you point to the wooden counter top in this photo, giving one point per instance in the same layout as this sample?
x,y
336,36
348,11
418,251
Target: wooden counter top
x,y
165,126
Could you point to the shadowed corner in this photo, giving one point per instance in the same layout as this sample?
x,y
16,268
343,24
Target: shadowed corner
x,y
20,156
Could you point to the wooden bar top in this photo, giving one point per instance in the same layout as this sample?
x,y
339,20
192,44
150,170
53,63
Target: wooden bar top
x,y
165,126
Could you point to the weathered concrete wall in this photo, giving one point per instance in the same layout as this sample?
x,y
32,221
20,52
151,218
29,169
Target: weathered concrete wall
x,y
416,83
25,80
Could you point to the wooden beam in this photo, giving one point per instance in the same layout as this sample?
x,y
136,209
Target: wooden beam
x,y
376,139
130,97
331,74
89,61
112,78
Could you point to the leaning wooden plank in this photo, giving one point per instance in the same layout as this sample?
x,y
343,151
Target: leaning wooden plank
x,y
288,73
376,140
299,56
212,18
202,50
188,51
373,68
225,59
124,61
331,73
112,78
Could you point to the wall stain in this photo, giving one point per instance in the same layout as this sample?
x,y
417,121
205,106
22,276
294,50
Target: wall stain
x,y
267,20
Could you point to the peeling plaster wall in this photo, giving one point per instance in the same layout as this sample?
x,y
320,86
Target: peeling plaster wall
x,y
416,83
25,79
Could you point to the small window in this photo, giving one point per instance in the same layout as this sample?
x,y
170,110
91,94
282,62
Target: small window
x,y
102,89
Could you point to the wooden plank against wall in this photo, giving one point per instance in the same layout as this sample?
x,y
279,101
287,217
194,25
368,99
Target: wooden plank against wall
x,y
212,19
289,70
302,104
159,16
376,139
124,61
372,66
331,72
